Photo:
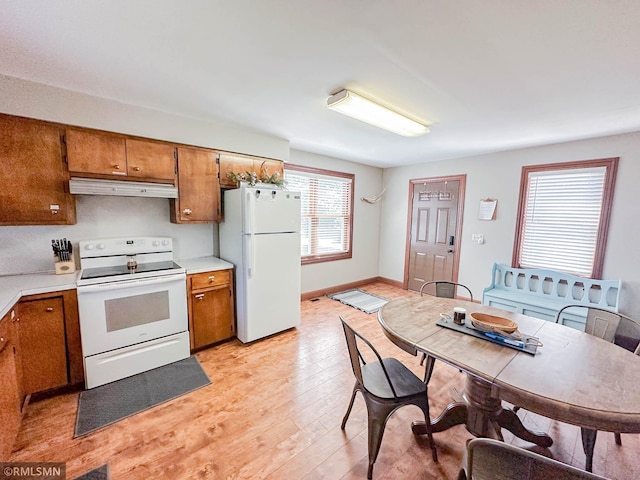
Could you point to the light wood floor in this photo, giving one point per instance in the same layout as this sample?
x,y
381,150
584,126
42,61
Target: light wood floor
x,y
273,411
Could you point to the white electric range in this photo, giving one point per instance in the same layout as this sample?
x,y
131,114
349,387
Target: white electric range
x,y
132,302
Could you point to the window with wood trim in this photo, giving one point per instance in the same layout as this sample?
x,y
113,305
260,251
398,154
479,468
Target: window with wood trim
x,y
563,216
327,212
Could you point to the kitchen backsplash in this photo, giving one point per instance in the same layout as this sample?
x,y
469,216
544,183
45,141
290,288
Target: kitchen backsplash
x,y
28,249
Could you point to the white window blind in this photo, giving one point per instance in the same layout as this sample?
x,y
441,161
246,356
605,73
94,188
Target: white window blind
x,y
326,213
561,219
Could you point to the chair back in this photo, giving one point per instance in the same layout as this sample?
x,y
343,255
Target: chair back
x,y
358,360
445,289
610,326
602,323
628,334
489,459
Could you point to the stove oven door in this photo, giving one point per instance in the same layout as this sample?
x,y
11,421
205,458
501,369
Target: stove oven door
x,y
120,314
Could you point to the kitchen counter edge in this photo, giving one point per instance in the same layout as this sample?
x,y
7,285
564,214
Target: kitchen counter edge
x,y
14,287
203,264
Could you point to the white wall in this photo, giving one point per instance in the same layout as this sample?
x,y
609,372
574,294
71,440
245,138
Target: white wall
x,y
366,226
498,176
28,249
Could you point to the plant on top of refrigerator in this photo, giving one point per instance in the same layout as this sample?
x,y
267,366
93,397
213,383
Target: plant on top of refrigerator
x,y
252,178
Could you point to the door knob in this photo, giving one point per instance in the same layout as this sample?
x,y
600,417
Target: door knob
x,y
450,250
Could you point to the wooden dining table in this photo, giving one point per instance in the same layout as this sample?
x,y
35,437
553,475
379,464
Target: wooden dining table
x,y
573,377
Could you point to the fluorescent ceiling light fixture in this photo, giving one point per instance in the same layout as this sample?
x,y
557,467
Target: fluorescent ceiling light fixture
x,y
360,108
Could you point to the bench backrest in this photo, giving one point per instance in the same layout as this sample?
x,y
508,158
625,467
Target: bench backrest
x,y
557,285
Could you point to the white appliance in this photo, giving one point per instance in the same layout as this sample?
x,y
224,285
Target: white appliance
x,y
261,236
132,302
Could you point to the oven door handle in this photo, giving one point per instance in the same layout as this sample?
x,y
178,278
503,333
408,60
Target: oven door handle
x,y
105,287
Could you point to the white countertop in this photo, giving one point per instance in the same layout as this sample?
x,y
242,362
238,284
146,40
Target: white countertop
x,y
12,287
203,264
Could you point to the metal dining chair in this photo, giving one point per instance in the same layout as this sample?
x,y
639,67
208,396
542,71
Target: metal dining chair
x,y
443,289
386,385
613,327
488,459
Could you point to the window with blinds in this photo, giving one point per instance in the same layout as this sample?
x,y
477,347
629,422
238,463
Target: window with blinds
x,y
327,206
564,216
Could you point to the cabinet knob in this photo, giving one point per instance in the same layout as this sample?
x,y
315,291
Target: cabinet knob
x,y
212,278
1,339
116,166
200,296
137,169
49,309
54,212
187,211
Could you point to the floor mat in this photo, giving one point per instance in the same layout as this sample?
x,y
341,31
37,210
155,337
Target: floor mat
x,y
107,404
100,473
356,298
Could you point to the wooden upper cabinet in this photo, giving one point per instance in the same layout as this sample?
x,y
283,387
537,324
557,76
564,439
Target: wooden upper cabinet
x,y
91,152
34,183
236,163
151,159
198,187
99,153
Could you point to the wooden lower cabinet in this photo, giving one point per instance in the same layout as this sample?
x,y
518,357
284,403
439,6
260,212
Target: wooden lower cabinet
x,y
49,336
10,398
211,314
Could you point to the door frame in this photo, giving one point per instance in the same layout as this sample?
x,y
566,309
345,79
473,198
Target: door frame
x,y
458,240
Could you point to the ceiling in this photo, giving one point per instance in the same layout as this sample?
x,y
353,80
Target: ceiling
x,y
487,75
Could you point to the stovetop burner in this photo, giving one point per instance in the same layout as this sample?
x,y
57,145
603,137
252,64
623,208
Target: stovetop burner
x,y
122,270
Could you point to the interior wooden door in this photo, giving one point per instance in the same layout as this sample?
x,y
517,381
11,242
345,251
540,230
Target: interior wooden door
x,y
435,223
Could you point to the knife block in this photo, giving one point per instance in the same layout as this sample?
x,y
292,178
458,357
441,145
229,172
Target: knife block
x,y
68,266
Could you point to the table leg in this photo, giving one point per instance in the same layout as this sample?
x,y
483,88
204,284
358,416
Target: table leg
x,y
483,416
588,444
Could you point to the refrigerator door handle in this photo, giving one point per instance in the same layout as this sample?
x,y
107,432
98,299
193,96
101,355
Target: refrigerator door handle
x,y
251,211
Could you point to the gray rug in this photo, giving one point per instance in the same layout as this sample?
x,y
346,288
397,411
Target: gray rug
x,y
107,404
100,473
367,302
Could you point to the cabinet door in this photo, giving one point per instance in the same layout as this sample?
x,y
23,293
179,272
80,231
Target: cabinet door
x,y
9,394
151,159
95,152
41,332
198,187
33,178
212,316
230,162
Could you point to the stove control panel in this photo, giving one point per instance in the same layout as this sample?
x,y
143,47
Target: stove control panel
x,y
124,246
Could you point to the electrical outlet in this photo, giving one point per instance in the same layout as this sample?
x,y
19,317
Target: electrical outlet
x,y
477,237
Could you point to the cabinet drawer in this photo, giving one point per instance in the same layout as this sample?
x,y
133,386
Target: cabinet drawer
x,y
210,279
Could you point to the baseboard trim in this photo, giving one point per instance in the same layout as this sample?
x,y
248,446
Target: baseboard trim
x,y
346,286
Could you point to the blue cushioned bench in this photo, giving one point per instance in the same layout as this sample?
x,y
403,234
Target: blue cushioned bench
x,y
542,293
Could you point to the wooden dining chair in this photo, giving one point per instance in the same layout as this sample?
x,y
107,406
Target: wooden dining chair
x,y
488,459
386,385
613,327
443,289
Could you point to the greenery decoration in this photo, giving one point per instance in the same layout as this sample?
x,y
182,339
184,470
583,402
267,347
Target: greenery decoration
x,y
252,178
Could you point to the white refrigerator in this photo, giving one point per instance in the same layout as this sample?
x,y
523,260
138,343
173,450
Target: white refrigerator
x,y
260,235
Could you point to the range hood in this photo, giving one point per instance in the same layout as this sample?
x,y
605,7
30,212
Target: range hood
x,y
121,188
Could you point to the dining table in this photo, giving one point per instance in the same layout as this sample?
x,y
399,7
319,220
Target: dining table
x,y
573,377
